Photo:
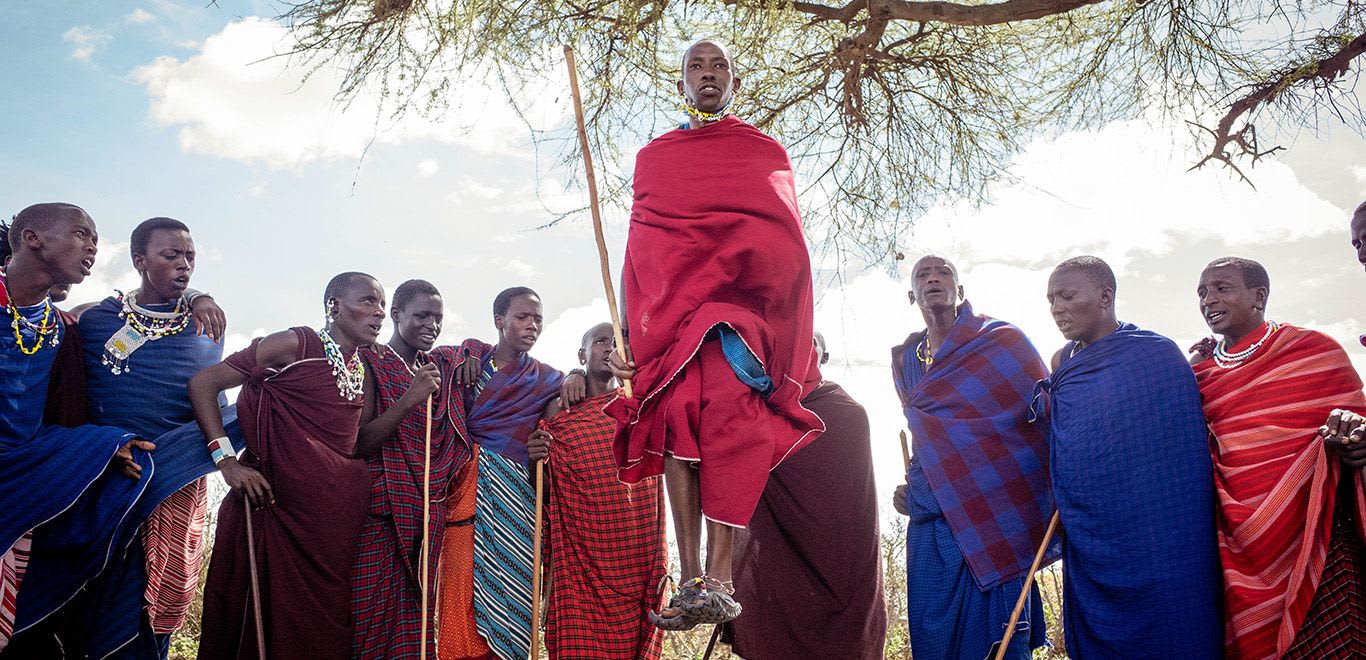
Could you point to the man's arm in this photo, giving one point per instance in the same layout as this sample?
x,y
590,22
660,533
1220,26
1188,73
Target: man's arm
x,y
374,430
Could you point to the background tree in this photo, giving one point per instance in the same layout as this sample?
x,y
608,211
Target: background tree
x,y
887,106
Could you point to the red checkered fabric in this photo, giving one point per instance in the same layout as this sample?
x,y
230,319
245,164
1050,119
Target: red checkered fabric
x,y
607,541
1335,628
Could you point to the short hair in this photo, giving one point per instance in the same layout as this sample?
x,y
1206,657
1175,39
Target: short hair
x,y
341,284
1361,210
412,289
1094,268
589,332
37,216
1254,274
946,261
504,298
142,234
705,40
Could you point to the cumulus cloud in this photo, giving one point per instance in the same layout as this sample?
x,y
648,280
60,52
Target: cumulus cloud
x,y
428,168
85,41
139,15
238,98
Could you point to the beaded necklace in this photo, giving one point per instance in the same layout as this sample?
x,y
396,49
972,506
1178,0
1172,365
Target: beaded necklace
x,y
705,117
922,352
141,325
350,373
1226,360
43,330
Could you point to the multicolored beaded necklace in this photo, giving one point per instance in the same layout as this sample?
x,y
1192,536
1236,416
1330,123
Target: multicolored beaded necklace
x,y
350,373
141,325
922,351
705,117
46,329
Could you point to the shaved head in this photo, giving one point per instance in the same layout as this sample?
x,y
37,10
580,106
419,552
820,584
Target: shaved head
x,y
925,260
1095,268
683,66
1254,274
38,218
593,331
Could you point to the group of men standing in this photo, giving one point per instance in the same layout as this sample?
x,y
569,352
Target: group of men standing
x,y
384,494
1210,507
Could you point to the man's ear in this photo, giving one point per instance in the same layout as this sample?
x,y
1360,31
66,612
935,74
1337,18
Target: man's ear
x,y
680,88
961,294
735,86
1107,298
140,262
1260,295
583,359
498,322
910,296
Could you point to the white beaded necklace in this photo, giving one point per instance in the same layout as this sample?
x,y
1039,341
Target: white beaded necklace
x,y
1226,360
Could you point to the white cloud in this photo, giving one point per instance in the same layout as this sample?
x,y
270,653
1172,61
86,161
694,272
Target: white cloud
x,y
559,342
469,189
139,15
237,98
428,168
258,190
85,41
521,269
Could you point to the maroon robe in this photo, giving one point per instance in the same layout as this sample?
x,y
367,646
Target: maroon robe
x,y
301,435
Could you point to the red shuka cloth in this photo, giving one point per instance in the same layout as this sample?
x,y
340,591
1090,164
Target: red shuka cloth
x,y
1275,480
301,435
715,237
608,544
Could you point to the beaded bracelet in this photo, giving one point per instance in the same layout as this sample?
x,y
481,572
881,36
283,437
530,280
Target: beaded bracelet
x,y
220,449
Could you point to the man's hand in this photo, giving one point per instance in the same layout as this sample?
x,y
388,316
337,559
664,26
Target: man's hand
x,y
467,374
208,318
426,381
622,369
538,445
573,389
1343,434
123,458
899,500
247,481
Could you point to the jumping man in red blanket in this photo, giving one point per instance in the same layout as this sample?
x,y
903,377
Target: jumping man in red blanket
x,y
299,408
977,490
716,287
386,586
1292,517
486,559
608,538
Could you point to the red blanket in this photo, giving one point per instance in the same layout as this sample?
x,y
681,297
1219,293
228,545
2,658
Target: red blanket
x,y
716,238
1276,481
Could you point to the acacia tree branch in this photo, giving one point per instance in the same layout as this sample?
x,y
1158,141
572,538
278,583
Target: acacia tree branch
x,y
952,13
1230,143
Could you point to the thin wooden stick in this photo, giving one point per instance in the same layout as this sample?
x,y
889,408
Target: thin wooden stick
x,y
711,644
255,585
536,566
1029,581
905,453
597,213
426,525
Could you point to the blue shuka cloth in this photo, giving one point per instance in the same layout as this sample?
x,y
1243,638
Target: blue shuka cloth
x,y
948,614
148,398
1134,485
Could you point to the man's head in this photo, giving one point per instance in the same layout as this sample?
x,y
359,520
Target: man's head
x,y
417,312
709,81
818,340
596,349
934,284
60,236
354,304
163,254
1359,233
1233,293
1081,293
518,316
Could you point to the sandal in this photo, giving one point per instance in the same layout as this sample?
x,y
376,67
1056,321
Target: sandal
x,y
699,601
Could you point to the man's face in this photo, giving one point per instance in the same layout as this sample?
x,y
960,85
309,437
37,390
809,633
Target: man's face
x,y
1078,305
1229,306
708,82
521,325
167,264
360,311
597,350
934,284
418,322
1359,236
68,247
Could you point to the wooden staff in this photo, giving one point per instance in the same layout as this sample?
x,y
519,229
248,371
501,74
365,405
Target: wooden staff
x,y
536,567
426,525
905,453
255,585
597,213
1029,581
711,644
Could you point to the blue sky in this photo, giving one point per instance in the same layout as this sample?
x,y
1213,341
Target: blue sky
x,y
140,109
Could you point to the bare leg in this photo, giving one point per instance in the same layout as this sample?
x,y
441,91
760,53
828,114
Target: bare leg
x,y
719,540
680,478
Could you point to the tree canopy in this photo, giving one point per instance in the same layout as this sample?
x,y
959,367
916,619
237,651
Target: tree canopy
x,y
888,105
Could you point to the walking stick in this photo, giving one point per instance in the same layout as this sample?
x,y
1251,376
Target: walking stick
x,y
711,644
426,525
597,213
255,585
536,567
1029,581
905,453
